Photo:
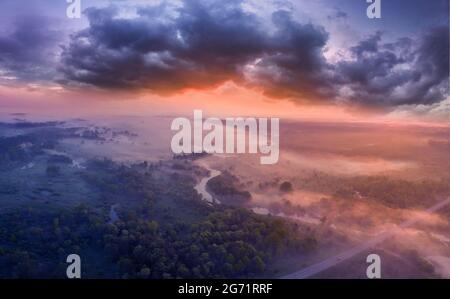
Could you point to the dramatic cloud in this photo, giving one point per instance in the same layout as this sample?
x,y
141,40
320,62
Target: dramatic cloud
x,y
196,50
202,46
177,46
292,65
27,50
405,72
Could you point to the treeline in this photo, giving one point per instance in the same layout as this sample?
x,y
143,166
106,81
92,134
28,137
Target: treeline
x,y
230,243
162,230
227,185
35,243
151,241
11,150
393,192
23,148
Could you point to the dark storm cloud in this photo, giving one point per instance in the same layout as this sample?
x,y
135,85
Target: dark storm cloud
x,y
292,65
369,45
405,72
205,43
27,50
199,48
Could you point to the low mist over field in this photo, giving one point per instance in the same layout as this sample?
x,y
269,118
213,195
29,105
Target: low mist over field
x,y
344,183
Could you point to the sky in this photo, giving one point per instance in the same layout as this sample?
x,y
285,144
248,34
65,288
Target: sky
x,y
322,58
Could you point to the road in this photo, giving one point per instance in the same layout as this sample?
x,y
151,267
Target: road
x,y
346,255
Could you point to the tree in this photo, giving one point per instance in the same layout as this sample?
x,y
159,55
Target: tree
x,y
126,265
286,187
257,265
144,273
183,271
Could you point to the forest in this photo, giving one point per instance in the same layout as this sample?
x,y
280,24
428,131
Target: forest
x,y
162,230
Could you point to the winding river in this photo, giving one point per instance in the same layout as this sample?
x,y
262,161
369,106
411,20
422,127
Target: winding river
x,y
201,186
